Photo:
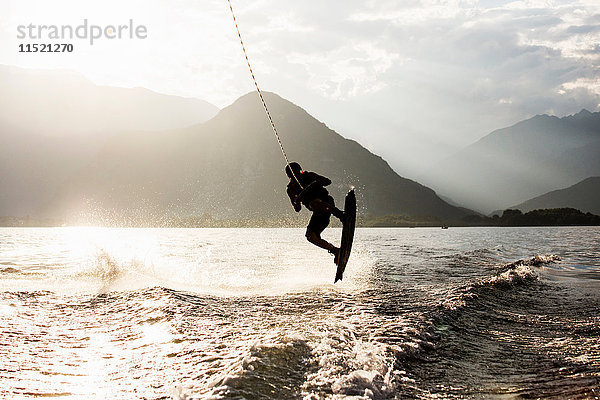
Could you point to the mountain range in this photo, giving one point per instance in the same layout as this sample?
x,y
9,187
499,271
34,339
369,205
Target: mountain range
x,y
64,103
52,124
584,196
231,167
514,164
73,150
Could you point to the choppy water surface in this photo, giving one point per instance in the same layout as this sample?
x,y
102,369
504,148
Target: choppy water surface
x,y
89,313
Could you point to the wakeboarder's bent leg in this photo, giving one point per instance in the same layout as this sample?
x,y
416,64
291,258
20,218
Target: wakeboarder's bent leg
x,y
318,222
316,239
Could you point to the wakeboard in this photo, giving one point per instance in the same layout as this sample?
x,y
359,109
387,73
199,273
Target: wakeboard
x,y
347,234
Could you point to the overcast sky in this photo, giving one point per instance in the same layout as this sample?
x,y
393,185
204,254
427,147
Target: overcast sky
x,y
410,80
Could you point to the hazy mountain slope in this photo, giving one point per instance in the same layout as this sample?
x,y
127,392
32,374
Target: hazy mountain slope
x,y
584,196
232,167
58,103
52,123
513,164
33,166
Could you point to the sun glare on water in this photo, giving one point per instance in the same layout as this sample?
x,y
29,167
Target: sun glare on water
x,y
223,262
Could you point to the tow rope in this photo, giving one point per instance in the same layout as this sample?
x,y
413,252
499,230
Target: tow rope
x,y
237,28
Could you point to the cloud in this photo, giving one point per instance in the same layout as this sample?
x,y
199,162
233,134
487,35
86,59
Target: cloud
x,y
446,73
362,48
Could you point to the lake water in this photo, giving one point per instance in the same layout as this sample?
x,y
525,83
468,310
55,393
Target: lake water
x,y
102,313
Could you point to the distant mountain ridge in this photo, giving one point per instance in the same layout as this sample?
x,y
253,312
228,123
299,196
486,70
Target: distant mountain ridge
x,y
65,103
231,167
584,196
52,123
513,164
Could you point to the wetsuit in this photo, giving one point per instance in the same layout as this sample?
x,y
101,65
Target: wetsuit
x,y
314,185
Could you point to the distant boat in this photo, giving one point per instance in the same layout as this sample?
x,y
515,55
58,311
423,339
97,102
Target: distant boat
x,y
444,227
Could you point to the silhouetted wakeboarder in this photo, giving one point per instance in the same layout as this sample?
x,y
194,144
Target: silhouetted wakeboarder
x,y
315,198
308,188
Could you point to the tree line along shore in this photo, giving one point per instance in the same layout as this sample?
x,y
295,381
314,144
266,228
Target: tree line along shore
x,y
542,217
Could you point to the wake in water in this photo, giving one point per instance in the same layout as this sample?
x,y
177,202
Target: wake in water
x,y
417,318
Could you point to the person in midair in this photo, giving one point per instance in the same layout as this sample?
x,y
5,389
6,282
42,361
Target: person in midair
x,y
315,198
